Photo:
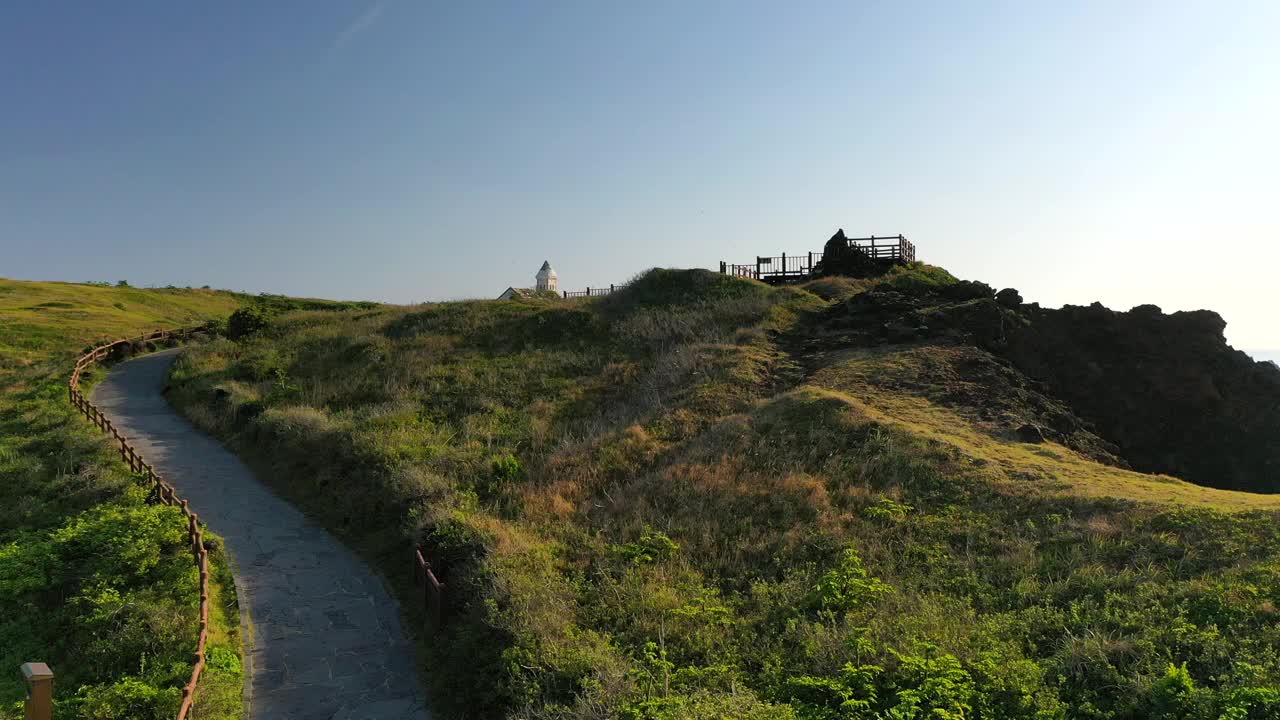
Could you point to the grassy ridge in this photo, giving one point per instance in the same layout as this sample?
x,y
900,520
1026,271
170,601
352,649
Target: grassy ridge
x,y
659,505
93,580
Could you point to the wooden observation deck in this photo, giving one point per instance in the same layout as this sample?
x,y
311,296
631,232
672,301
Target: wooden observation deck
x,y
784,268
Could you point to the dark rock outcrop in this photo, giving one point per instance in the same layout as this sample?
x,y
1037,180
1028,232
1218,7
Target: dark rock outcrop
x,y
1009,298
840,258
1165,389
1029,433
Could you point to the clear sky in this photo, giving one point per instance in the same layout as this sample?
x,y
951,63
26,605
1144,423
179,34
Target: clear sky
x,y
1126,152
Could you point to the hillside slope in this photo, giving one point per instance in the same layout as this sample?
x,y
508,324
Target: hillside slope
x,y
93,580
702,497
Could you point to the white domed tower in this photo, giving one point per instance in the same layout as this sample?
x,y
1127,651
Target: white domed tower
x,y
546,277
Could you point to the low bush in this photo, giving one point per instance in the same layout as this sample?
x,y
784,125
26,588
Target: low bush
x,y
246,321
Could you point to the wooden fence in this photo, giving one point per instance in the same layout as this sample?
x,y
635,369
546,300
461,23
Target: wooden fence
x,y
592,292
786,268
164,492
433,597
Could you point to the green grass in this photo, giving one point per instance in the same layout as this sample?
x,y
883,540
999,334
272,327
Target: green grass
x,y
93,580
657,504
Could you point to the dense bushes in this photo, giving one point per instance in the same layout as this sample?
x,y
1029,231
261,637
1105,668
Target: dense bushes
x,y
125,583
663,515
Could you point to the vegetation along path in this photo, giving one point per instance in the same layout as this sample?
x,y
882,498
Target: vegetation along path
x,y
326,640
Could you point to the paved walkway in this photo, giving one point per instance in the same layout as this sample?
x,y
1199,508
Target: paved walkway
x,y
326,640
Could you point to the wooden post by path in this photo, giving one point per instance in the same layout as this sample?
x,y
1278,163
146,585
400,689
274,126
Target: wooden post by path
x,y
39,679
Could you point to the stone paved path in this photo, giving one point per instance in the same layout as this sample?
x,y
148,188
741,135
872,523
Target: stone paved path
x,y
326,639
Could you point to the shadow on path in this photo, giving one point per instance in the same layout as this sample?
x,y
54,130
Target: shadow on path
x,y
326,639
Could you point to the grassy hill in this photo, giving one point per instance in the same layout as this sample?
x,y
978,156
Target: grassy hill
x,y
93,580
702,497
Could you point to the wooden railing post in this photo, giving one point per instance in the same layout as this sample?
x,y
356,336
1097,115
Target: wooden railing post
x,y
39,679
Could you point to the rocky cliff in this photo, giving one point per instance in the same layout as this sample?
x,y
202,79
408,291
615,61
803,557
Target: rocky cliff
x,y
1165,390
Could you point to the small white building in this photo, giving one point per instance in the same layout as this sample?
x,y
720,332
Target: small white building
x,y
545,281
546,277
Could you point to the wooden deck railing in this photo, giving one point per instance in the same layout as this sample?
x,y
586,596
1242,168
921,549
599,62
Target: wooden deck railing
x,y
591,292
164,492
793,268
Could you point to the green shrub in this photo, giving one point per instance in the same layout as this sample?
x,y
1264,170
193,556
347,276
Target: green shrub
x,y
224,658
652,547
247,321
283,390
128,698
216,327
498,484
847,586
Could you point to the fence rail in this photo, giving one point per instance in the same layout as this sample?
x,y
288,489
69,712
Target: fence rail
x,y
591,292
433,597
164,492
786,268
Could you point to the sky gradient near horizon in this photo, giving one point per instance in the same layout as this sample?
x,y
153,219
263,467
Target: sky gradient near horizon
x,y
1124,152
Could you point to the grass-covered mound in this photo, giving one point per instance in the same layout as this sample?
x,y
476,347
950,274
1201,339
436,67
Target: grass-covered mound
x,y
675,502
93,580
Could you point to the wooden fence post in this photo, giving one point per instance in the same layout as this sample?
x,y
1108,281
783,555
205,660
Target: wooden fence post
x,y
39,679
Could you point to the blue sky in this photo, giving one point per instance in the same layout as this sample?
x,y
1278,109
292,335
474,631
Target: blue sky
x,y
1117,151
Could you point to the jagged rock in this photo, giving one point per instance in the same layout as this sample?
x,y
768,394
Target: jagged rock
x,y
968,290
1029,433
1167,389
1009,298
1159,392
838,258
898,333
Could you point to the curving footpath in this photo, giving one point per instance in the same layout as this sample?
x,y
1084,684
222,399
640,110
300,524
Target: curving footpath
x,y
323,638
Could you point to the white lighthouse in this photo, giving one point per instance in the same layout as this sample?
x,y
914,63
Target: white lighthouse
x,y
546,277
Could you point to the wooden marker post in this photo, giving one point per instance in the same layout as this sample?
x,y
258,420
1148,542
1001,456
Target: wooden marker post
x,y
39,679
